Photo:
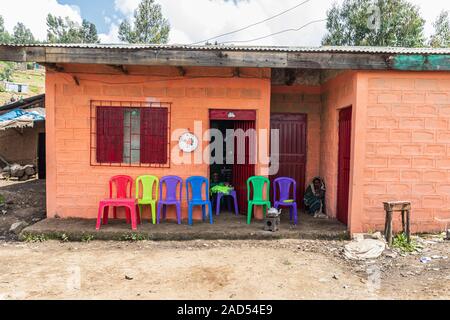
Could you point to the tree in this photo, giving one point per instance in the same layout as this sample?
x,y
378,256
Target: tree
x,y
22,35
4,34
375,23
441,36
6,74
64,30
89,31
149,25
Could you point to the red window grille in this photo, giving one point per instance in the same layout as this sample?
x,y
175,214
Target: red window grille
x,y
154,136
130,134
109,135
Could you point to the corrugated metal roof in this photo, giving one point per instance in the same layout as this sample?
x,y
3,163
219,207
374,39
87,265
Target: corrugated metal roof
x,y
325,49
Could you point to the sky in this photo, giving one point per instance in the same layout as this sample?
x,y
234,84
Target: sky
x,y
196,20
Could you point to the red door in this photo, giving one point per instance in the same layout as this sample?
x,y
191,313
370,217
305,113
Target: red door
x,y
292,130
345,133
241,172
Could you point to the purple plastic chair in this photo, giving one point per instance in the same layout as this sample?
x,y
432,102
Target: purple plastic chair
x,y
231,196
283,185
172,183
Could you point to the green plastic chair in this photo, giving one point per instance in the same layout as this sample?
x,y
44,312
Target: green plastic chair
x,y
147,183
257,183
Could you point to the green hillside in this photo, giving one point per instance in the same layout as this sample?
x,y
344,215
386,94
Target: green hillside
x,y
35,79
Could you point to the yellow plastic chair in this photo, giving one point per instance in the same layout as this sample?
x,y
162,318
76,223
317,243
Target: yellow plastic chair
x,y
149,197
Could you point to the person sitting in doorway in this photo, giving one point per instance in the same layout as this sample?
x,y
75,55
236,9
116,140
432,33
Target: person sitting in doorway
x,y
315,198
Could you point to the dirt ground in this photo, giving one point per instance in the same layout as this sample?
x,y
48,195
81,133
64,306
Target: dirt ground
x,y
282,269
23,201
201,269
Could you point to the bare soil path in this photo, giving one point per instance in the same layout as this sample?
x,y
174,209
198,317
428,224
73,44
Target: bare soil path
x,y
282,269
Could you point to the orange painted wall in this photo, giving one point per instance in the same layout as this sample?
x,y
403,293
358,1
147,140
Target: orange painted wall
x,y
303,99
407,153
74,187
337,93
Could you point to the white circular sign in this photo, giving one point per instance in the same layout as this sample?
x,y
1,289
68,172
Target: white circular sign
x,y
188,142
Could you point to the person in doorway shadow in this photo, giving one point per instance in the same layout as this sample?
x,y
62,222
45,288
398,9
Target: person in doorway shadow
x,y
315,198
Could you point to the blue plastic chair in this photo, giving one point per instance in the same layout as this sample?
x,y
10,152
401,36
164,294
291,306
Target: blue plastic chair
x,y
195,198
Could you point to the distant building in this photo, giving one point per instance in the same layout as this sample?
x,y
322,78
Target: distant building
x,y
22,137
16,87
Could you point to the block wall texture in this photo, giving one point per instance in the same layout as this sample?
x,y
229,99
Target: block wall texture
x,y
74,187
407,146
337,94
21,146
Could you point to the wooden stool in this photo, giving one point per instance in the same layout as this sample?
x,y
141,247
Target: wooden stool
x,y
390,208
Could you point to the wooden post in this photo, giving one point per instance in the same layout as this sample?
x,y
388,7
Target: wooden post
x,y
403,221
408,225
388,232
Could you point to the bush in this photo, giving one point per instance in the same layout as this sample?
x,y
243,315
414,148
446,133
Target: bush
x,y
401,242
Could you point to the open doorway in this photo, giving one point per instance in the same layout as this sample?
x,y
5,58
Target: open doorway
x,y
236,174
41,157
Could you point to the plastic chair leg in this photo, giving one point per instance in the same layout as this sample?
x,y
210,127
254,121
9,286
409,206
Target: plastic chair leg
x,y
204,212
99,217
128,214
153,207
158,213
249,213
105,215
115,213
190,215
218,198
236,208
133,217
211,221
295,212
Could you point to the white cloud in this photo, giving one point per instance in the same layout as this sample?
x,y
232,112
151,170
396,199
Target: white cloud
x,y
112,36
197,20
34,13
126,7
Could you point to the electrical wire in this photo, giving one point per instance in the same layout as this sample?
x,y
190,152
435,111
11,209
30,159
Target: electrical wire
x,y
276,33
254,24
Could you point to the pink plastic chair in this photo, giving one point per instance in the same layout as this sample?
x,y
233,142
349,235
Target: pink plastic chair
x,y
123,198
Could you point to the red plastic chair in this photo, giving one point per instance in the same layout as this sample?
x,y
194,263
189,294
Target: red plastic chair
x,y
123,198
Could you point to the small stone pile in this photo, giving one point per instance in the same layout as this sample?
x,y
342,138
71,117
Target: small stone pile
x,y
22,173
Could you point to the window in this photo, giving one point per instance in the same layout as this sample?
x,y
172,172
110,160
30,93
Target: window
x,y
130,134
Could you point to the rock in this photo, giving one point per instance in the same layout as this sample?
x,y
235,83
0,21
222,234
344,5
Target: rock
x,y
377,236
26,212
436,257
390,254
335,277
17,227
128,278
364,249
358,236
29,170
17,170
